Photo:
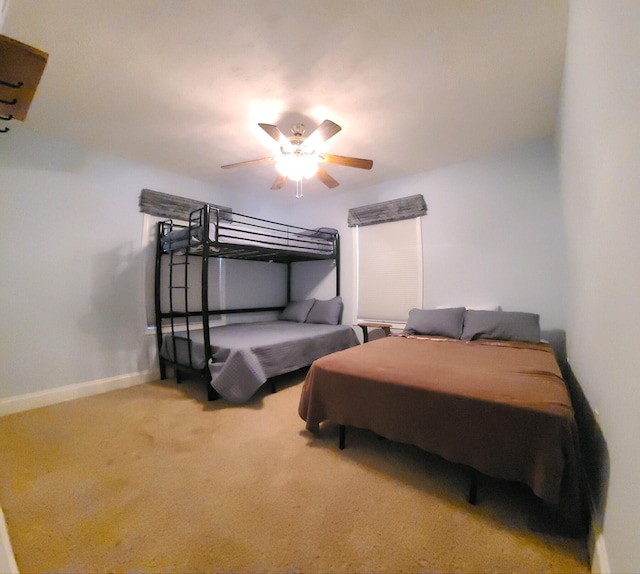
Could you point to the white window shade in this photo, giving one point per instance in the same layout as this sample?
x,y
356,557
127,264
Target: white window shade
x,y
389,278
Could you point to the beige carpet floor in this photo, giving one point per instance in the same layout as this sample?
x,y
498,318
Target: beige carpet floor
x,y
155,479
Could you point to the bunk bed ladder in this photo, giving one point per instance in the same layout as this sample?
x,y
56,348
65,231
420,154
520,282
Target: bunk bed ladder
x,y
161,228
178,287
178,340
204,221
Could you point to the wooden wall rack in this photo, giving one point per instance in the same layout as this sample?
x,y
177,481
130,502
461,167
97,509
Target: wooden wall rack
x,y
21,69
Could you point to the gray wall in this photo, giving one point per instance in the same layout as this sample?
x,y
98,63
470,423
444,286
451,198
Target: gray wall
x,y
600,181
72,302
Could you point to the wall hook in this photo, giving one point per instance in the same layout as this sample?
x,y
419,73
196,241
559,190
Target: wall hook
x,y
11,103
5,119
9,85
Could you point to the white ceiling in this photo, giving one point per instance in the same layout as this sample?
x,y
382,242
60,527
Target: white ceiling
x,y
182,84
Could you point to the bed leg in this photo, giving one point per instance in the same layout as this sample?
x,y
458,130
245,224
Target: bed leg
x,y
273,386
473,486
342,432
212,394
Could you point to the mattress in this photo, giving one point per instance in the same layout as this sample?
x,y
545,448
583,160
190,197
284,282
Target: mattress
x,y
245,355
226,233
500,407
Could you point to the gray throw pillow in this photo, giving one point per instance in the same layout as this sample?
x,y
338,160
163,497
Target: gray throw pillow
x,y
297,310
501,325
436,322
328,312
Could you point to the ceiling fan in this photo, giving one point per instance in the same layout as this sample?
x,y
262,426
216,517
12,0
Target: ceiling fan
x,y
300,157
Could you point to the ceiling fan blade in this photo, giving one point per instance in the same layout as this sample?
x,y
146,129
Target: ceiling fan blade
x,y
327,129
347,161
323,132
274,132
250,162
279,181
326,178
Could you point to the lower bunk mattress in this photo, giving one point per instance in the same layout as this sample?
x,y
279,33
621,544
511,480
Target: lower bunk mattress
x,y
245,355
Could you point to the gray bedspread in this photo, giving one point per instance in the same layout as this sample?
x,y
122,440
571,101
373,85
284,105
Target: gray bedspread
x,y
245,355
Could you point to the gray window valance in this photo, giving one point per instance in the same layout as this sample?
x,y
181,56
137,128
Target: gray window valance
x,y
174,206
386,211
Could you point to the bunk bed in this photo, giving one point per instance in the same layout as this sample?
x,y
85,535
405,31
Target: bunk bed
x,y
236,359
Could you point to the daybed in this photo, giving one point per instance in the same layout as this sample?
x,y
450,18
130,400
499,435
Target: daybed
x,y
475,387
236,359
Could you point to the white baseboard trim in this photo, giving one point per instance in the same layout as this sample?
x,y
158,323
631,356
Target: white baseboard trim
x,y
7,559
599,558
48,397
595,543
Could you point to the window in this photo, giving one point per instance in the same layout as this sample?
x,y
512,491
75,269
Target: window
x,y
389,270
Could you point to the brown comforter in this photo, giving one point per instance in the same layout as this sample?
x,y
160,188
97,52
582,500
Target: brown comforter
x,y
499,407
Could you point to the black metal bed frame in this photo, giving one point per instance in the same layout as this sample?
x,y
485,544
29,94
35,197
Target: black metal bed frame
x,y
272,244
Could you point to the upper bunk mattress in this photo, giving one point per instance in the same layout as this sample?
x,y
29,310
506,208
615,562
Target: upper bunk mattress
x,y
245,355
277,236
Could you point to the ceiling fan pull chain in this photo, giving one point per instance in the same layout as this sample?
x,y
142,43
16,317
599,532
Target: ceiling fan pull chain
x,y
298,189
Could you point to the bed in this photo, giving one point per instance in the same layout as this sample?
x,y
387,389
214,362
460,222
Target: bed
x,y
235,359
473,391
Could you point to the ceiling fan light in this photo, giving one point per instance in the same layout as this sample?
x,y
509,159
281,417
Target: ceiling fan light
x,y
310,166
297,167
282,167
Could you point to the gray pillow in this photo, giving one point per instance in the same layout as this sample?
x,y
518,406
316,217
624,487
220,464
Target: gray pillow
x,y
437,322
328,312
501,325
297,310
